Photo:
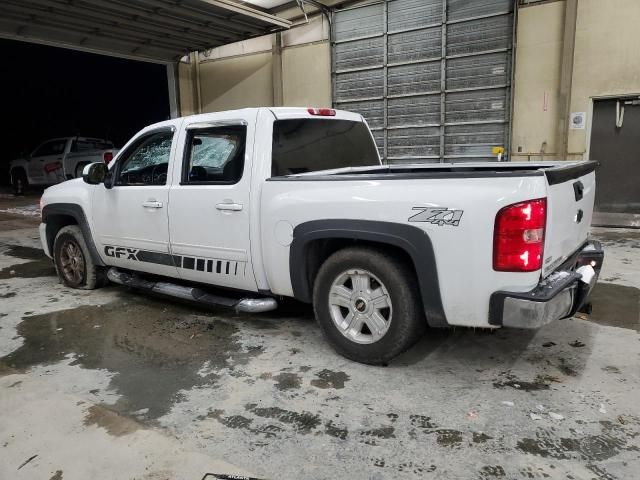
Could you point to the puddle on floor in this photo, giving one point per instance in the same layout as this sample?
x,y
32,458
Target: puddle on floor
x,y
155,349
39,265
619,238
616,306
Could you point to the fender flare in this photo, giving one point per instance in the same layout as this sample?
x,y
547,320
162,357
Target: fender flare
x,y
412,240
77,213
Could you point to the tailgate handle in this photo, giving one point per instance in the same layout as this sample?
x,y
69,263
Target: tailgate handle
x,y
578,190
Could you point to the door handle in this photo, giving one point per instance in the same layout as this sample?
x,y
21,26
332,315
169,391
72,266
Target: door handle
x,y
152,204
229,207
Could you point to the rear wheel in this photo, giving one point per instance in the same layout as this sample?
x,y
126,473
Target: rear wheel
x,y
19,182
367,305
73,260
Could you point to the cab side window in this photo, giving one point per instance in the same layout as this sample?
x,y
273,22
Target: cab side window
x,y
54,147
214,155
146,162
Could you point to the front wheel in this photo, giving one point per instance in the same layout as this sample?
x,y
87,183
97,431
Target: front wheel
x,y
367,304
73,260
19,183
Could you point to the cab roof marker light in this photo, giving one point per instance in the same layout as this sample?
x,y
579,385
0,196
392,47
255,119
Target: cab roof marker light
x,y
322,112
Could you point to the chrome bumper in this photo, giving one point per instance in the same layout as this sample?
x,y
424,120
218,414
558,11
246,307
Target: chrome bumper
x,y
560,295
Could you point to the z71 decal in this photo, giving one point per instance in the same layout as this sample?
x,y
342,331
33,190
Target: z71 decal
x,y
437,216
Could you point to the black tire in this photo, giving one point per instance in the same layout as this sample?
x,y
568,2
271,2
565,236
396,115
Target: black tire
x,y
80,168
76,270
19,182
405,323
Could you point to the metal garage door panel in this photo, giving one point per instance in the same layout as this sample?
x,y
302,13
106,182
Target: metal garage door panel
x,y
359,22
411,79
378,136
406,14
476,106
420,110
359,53
403,100
479,71
461,9
481,35
473,141
415,46
409,144
372,111
359,85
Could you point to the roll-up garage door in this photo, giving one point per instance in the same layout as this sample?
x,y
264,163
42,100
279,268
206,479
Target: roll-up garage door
x,y
432,77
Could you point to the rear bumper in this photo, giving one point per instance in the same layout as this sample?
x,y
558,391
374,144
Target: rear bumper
x,y
560,295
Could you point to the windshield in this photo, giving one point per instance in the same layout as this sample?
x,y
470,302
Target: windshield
x,y
311,145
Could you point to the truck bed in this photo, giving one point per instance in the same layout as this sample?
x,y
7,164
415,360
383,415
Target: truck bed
x,y
556,172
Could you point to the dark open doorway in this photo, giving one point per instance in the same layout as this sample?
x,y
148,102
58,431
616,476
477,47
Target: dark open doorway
x,y
49,92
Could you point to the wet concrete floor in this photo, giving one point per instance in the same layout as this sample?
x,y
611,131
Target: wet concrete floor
x,y
266,394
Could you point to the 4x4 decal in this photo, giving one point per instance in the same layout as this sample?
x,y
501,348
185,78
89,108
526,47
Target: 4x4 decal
x,y
438,216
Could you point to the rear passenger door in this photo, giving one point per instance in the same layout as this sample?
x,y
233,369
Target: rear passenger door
x,y
209,203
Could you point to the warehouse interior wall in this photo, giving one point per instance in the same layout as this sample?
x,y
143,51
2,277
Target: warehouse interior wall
x,y
605,65
236,82
241,74
537,81
307,75
606,58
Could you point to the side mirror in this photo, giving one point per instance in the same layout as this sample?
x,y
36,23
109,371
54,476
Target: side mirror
x,y
94,173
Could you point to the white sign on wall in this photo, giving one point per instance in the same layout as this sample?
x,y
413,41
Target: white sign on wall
x,y
578,120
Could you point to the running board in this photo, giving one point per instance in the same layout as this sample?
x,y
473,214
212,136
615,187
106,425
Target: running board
x,y
249,305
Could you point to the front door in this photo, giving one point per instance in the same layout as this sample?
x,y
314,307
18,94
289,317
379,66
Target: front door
x,y
130,219
209,205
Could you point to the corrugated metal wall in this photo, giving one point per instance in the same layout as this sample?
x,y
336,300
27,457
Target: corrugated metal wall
x,y
432,77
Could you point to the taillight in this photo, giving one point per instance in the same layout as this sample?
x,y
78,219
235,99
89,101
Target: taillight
x,y
322,112
518,237
108,156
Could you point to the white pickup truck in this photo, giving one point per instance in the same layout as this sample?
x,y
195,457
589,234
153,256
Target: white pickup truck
x,y
57,160
267,203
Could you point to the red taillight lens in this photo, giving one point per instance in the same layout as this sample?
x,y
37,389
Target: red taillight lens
x,y
518,237
322,112
108,156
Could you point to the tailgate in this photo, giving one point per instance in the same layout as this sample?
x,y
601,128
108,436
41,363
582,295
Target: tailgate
x,y
570,199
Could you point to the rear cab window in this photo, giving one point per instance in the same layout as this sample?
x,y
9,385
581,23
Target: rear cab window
x,y
312,145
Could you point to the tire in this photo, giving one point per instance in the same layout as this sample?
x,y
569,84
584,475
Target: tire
x,y
378,301
73,261
80,168
19,182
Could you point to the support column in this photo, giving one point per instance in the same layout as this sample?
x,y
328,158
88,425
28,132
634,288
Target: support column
x,y
566,76
174,90
276,65
195,81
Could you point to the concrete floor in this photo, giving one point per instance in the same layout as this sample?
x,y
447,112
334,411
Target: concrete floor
x,y
112,384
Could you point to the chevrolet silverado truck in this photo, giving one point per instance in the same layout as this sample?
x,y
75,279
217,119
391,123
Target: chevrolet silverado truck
x,y
57,160
246,207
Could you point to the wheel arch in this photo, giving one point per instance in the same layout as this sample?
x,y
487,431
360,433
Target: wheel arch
x,y
58,215
17,169
314,241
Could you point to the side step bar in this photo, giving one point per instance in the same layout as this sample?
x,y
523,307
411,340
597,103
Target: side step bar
x,y
249,305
